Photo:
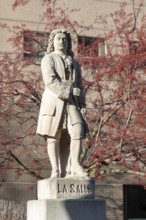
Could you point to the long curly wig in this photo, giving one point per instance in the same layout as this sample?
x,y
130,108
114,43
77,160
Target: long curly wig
x,y
50,48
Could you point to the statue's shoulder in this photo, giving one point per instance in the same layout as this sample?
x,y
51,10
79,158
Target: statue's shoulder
x,y
49,57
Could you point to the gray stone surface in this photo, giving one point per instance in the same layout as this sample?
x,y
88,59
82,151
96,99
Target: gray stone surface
x,y
66,188
87,209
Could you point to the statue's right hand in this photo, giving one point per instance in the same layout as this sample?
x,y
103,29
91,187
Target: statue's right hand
x,y
76,91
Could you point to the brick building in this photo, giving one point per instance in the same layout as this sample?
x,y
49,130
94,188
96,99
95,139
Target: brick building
x,y
117,189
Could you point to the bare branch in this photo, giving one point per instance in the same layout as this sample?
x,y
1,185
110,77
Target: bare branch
x,y
26,169
105,119
121,171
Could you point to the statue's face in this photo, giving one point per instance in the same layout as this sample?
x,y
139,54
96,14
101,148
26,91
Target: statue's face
x,y
60,42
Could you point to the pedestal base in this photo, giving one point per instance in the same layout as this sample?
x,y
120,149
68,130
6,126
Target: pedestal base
x,y
75,209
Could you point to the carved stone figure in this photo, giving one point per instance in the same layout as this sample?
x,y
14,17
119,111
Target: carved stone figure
x,y
63,102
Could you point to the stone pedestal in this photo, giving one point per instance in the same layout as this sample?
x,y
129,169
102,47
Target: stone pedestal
x,y
66,199
66,188
73,209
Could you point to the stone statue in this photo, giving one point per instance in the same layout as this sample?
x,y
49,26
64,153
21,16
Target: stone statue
x,y
63,104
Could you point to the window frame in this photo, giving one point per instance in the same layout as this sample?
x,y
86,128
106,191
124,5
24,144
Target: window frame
x,y
34,48
87,46
136,50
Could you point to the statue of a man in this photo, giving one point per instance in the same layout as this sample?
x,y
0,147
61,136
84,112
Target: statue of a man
x,y
62,101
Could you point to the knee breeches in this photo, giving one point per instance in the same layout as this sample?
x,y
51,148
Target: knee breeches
x,y
75,131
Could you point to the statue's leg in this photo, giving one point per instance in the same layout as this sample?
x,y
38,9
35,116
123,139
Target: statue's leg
x,y
76,132
53,152
76,169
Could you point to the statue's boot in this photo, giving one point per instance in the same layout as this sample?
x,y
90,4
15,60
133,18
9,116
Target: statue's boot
x,y
53,152
76,169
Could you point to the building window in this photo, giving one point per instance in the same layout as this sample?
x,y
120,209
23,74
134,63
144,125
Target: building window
x,y
138,48
34,45
91,46
134,202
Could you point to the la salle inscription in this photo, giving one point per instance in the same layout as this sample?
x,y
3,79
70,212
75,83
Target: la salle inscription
x,y
69,188
74,188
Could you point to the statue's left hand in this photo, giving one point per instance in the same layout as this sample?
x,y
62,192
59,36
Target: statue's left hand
x,y
76,91
83,112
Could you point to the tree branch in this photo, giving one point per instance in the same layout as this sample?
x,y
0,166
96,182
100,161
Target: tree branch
x,y
30,172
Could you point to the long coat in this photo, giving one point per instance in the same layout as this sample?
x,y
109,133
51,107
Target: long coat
x,y
56,93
